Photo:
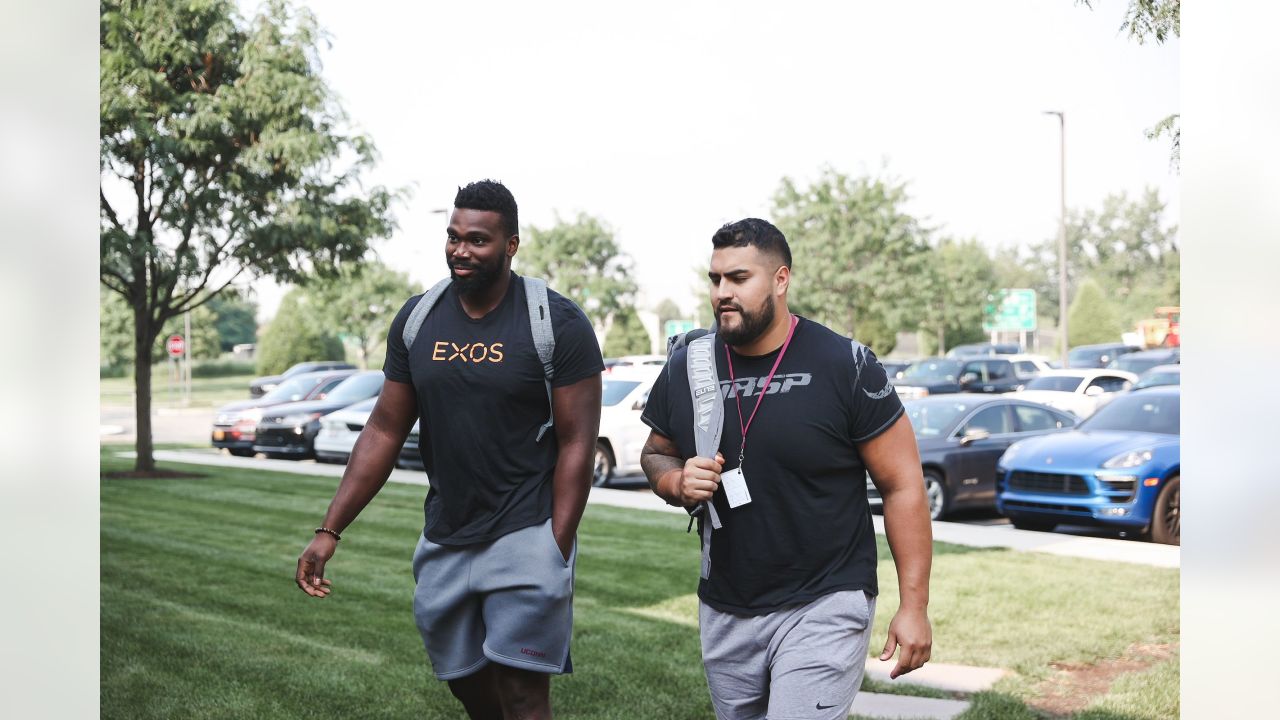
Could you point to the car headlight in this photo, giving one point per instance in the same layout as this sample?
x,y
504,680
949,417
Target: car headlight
x,y
1132,458
1011,451
299,418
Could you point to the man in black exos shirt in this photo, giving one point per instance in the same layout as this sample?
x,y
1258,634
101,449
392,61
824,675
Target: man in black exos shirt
x,y
495,561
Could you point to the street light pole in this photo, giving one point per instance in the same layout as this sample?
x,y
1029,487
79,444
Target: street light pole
x,y
1062,234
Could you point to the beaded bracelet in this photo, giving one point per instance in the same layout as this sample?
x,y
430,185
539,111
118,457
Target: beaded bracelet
x,y
334,533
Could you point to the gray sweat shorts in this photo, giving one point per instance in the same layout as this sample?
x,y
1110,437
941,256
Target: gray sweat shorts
x,y
800,662
508,601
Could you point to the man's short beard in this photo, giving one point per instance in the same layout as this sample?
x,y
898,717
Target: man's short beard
x,y
753,325
481,278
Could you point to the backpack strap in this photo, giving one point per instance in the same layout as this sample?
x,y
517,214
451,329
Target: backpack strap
x,y
708,423
544,339
419,314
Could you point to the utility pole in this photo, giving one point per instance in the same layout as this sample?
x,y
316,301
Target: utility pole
x,y
1062,233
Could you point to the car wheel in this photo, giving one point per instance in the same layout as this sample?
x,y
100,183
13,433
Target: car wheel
x,y
1166,522
241,452
602,469
1036,525
935,491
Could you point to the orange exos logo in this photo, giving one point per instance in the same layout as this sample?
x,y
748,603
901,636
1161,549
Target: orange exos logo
x,y
446,351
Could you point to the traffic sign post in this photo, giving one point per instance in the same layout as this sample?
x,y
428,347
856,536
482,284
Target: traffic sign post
x,y
1010,310
176,345
678,327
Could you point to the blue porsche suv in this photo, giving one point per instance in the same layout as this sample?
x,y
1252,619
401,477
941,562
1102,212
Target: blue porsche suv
x,y
1118,468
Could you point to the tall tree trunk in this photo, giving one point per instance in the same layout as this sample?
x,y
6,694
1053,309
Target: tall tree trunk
x,y
144,337
942,340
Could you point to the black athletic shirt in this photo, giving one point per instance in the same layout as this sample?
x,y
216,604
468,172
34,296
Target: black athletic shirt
x,y
481,400
807,531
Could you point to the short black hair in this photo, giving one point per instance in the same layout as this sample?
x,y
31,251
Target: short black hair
x,y
493,196
754,231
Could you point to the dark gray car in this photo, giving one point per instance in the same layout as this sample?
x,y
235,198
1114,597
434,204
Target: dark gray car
x,y
961,437
263,385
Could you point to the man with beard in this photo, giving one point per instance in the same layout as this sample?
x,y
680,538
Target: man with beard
x,y
788,588
494,564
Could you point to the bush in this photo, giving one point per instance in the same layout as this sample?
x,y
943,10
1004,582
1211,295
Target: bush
x,y
112,371
222,368
1092,317
295,335
627,336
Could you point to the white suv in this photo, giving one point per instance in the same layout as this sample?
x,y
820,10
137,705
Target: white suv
x,y
622,432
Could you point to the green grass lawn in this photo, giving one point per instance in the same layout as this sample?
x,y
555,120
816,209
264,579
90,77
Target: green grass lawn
x,y
201,619
205,392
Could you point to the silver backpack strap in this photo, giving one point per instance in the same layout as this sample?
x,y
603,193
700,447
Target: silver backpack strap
x,y
544,339
708,423
419,314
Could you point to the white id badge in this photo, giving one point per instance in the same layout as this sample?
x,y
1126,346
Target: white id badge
x,y
735,487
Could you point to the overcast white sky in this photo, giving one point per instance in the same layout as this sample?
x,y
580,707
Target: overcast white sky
x,y
668,119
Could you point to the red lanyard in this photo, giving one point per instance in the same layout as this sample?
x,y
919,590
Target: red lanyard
x,y
762,388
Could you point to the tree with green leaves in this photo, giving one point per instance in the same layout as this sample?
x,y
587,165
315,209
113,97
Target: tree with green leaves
x,y
581,260
1126,245
1092,318
361,303
668,310
627,335
953,287
858,255
299,332
115,333
236,314
222,153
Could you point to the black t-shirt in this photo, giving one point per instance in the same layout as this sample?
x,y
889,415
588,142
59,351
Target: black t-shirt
x,y
481,400
807,531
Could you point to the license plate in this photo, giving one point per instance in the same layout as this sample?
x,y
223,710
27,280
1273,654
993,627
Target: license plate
x,y
219,434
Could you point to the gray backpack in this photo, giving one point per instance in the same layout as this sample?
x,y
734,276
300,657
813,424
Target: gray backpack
x,y
535,291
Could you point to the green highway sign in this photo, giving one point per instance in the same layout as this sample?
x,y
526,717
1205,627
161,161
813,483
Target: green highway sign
x,y
676,327
1010,310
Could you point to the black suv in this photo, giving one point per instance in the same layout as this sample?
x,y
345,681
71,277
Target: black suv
x,y
989,375
1098,356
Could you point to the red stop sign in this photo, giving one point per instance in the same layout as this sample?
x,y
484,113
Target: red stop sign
x,y
175,345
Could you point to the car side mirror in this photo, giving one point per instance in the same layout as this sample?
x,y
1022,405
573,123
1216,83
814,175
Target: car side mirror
x,y
1093,391
969,378
639,405
973,436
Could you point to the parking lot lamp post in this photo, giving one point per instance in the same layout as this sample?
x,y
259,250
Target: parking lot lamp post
x,y
1062,233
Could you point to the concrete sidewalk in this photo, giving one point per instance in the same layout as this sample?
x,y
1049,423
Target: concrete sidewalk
x,y
990,536
905,707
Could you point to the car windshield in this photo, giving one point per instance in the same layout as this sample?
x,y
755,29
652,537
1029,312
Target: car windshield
x,y
1138,412
931,418
293,389
357,387
1057,383
1153,379
615,390
933,370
